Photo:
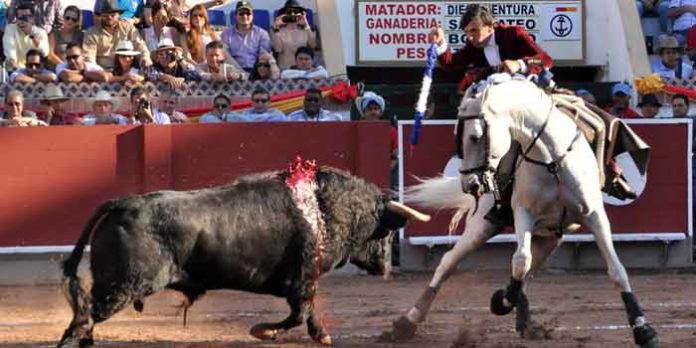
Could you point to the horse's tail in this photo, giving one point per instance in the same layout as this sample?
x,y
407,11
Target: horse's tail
x,y
441,193
75,293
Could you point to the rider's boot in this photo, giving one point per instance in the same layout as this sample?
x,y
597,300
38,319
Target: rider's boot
x,y
616,185
501,213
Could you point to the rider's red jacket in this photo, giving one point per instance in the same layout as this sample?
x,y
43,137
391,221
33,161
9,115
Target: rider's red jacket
x,y
513,43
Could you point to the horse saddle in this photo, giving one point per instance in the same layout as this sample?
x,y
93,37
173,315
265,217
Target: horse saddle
x,y
607,134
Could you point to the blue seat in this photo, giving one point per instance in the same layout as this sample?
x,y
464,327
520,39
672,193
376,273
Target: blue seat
x,y
87,18
217,17
310,17
261,18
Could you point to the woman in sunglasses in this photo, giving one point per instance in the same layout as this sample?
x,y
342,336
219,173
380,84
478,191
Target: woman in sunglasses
x,y
199,35
290,32
265,68
126,64
58,40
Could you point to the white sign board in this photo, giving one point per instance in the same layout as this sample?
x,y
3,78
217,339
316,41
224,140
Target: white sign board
x,y
397,31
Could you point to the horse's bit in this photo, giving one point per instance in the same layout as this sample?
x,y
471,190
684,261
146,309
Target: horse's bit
x,y
485,172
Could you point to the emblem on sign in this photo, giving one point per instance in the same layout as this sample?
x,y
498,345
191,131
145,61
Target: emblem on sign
x,y
561,25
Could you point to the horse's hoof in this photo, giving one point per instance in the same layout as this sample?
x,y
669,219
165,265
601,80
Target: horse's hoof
x,y
498,306
325,340
86,342
264,332
403,329
645,336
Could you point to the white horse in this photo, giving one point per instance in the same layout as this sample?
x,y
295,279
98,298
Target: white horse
x,y
556,190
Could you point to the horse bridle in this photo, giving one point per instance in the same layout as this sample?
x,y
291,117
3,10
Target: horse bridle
x,y
485,172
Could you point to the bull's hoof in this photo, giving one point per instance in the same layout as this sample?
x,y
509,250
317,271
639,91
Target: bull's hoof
x,y
325,340
645,336
403,329
498,306
264,332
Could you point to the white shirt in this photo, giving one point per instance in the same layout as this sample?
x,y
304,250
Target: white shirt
x,y
271,115
89,67
91,119
159,116
228,117
323,116
686,20
16,43
664,71
314,73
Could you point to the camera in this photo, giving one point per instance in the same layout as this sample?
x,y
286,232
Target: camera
x,y
290,18
171,56
144,104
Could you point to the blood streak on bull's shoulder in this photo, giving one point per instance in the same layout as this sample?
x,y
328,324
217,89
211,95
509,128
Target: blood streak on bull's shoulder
x,y
302,182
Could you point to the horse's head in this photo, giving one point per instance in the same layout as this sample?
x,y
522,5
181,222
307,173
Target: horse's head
x,y
482,140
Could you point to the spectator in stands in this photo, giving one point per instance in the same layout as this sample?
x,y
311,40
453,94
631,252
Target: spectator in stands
x,y
101,39
265,68
261,110
126,64
649,106
656,7
586,96
304,67
19,38
131,9
103,106
215,69
290,32
680,106
142,109
15,115
159,29
670,64
54,113
372,106
170,67
683,12
691,48
34,71
199,36
46,13
620,98
312,110
221,112
245,41
168,103
76,70
71,32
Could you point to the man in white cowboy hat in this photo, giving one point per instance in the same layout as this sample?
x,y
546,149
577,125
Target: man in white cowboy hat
x,y
125,67
15,115
670,64
170,67
103,106
35,71
101,39
216,69
76,70
53,101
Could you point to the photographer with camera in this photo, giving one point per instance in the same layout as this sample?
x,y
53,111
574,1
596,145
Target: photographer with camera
x,y
170,67
290,32
142,111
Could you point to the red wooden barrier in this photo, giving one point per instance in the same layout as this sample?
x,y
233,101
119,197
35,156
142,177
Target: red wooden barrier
x,y
52,179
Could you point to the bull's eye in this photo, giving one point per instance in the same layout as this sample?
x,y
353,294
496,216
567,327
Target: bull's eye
x,y
475,139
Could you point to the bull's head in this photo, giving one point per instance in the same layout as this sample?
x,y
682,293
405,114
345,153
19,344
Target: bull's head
x,y
375,256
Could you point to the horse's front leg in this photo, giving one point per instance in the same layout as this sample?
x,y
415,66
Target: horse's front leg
x,y
643,334
504,300
477,232
542,247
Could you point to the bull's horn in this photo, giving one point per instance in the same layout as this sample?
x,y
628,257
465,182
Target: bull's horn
x,y
406,211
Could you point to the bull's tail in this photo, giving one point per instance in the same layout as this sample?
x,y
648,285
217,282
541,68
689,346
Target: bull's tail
x,y
75,293
441,193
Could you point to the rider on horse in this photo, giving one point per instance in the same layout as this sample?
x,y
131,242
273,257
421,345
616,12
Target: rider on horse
x,y
489,47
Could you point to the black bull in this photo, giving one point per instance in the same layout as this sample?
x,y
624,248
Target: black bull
x,y
249,235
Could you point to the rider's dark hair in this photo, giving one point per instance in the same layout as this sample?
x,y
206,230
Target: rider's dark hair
x,y
476,12
683,97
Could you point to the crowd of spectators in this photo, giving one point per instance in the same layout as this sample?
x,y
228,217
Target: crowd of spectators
x,y
160,41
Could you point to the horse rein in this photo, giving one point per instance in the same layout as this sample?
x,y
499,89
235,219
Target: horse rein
x,y
486,172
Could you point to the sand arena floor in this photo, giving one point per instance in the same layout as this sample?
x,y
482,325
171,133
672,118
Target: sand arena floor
x,y
579,309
